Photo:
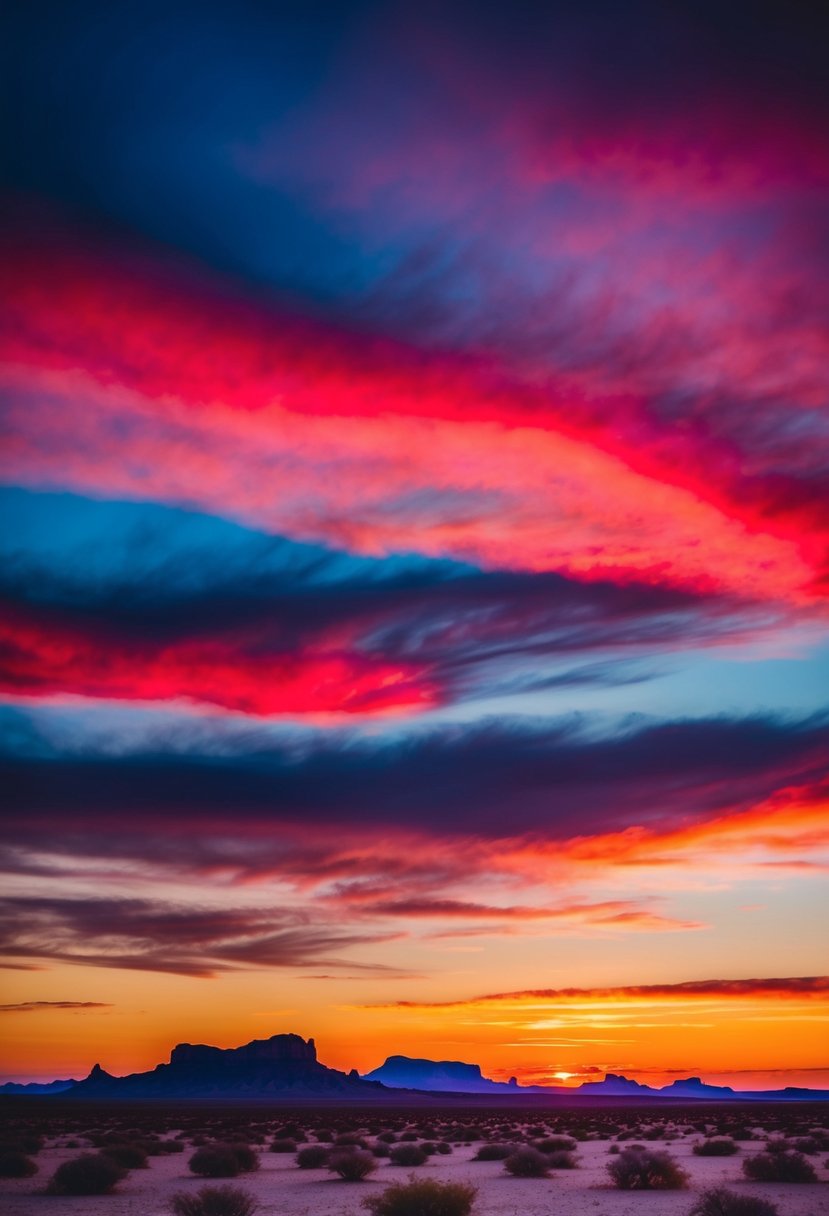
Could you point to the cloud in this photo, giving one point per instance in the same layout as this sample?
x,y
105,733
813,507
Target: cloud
x,y
45,1006
269,627
146,935
403,450
452,780
607,914
789,987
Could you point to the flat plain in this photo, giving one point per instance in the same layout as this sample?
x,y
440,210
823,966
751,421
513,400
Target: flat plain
x,y
451,1141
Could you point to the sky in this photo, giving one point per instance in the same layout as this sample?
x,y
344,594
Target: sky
x,y
414,571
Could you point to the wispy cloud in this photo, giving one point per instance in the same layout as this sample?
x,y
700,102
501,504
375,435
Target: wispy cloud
x,y
789,987
45,1006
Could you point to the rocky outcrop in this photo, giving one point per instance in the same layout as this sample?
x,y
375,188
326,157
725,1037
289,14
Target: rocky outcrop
x,y
442,1076
285,1064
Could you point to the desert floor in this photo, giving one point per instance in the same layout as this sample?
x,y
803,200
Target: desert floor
x,y
283,1189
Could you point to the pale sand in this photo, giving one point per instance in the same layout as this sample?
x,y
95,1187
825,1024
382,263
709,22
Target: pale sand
x,y
284,1190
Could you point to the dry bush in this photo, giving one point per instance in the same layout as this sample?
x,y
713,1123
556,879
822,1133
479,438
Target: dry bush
x,y
352,1165
214,1201
786,1166
14,1164
312,1157
407,1154
719,1146
283,1146
811,1145
555,1144
130,1156
561,1159
721,1202
640,1169
494,1152
90,1174
224,1160
422,1198
527,1163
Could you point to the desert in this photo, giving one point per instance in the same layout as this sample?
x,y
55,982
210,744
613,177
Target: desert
x,y
444,1145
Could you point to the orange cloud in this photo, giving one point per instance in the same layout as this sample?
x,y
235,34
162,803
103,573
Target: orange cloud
x,y
787,988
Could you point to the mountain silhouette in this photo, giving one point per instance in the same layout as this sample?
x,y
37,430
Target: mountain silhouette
x,y
285,1068
283,1065
442,1076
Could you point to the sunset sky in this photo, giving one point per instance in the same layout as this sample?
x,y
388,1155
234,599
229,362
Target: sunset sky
x,y
415,484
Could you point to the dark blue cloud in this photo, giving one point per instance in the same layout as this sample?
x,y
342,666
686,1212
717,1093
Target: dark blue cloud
x,y
556,779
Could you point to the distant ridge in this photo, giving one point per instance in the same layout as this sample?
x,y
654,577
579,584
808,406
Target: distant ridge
x,y
285,1068
441,1076
454,1076
37,1087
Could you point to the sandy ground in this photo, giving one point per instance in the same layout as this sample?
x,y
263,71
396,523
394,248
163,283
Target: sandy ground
x,y
284,1190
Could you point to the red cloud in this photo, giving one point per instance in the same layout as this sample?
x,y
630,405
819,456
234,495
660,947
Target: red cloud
x,y
125,385
41,656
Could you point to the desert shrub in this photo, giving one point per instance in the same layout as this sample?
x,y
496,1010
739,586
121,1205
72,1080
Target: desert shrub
x,y
645,1170
787,1166
312,1157
555,1144
224,1160
14,1164
350,1140
387,1137
422,1198
283,1146
289,1131
171,1146
562,1160
527,1163
720,1202
720,1146
443,1147
24,1143
494,1152
130,1156
214,1201
352,1164
155,1147
410,1135
808,1144
90,1174
381,1149
614,1148
215,1161
407,1154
